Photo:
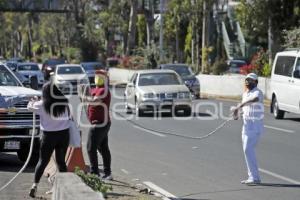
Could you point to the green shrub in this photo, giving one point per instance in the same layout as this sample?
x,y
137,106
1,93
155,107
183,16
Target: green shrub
x,y
266,70
93,182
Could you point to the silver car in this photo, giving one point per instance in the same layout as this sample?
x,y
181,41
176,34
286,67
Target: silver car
x,y
157,90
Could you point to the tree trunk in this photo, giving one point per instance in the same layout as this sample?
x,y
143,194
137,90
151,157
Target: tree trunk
x,y
150,23
29,35
132,27
177,45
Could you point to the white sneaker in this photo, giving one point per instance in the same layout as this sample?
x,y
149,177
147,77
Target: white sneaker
x,y
251,182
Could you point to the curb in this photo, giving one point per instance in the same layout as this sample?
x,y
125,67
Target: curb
x,y
68,186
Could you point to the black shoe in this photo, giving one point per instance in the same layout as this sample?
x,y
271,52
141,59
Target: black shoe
x,y
32,192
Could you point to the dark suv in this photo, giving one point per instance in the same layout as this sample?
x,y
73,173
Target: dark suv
x,y
186,74
50,65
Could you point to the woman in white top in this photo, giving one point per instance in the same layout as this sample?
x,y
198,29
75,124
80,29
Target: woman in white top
x,y
54,122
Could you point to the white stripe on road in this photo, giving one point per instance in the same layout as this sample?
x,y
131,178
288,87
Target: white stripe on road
x,y
161,191
125,171
279,129
149,131
279,176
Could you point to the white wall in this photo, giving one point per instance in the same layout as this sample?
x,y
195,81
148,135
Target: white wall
x,y
119,76
226,85
229,85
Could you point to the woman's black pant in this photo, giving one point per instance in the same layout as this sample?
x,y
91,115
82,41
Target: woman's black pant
x,y
52,140
98,140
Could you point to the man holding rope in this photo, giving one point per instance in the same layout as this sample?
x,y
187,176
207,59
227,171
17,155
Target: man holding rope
x,y
253,114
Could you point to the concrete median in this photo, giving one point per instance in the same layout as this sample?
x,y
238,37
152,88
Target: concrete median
x,y
68,186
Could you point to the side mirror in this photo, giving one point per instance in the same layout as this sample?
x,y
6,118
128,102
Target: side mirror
x,y
130,85
296,73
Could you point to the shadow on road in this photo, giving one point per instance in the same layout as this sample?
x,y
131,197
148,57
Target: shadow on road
x,y
279,185
11,163
293,119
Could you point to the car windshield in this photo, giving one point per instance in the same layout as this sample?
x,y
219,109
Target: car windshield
x,y
55,62
92,66
28,68
237,64
69,70
181,70
6,78
158,79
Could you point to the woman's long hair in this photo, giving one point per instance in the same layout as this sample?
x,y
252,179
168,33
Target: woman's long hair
x,y
55,102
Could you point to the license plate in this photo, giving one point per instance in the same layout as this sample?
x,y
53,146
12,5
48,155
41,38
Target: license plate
x,y
168,100
12,145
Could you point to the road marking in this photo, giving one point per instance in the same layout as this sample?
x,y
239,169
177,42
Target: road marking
x,y
279,129
149,131
279,176
125,171
161,191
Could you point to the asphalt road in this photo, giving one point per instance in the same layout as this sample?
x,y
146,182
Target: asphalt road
x,y
204,169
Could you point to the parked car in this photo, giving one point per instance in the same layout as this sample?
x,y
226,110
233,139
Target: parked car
x,y
16,59
29,71
234,66
285,83
69,77
90,68
157,90
50,65
187,75
12,65
16,122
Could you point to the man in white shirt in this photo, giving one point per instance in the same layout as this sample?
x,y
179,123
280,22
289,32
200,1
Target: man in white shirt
x,y
253,113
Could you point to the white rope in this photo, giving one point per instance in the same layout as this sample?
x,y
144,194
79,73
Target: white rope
x,y
28,158
176,134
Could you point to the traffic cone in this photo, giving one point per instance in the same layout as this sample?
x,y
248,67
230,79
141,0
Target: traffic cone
x,y
75,159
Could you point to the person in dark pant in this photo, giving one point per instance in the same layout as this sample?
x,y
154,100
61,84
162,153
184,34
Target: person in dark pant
x,y
98,115
54,122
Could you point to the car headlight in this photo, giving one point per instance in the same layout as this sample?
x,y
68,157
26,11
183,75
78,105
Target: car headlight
x,y
196,82
60,81
184,95
149,96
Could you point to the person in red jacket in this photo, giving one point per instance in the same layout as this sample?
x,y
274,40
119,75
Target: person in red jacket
x,y
98,115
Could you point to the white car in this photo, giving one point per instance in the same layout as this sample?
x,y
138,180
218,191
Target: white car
x,y
68,78
285,83
157,90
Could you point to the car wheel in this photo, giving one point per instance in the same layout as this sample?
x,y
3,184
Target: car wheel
x,y
138,111
278,114
187,112
128,109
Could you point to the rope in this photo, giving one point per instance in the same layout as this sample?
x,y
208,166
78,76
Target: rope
x,y
176,134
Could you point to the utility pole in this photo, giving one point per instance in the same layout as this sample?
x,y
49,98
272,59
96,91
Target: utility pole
x,y
161,33
204,27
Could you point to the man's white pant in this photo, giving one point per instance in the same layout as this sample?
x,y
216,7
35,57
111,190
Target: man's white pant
x,y
250,140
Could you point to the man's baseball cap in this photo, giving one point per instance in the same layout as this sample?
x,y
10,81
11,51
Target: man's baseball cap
x,y
252,76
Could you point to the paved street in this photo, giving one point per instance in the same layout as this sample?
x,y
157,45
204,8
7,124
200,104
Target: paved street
x,y
206,169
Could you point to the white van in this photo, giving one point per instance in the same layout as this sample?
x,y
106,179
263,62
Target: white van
x,y
285,83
